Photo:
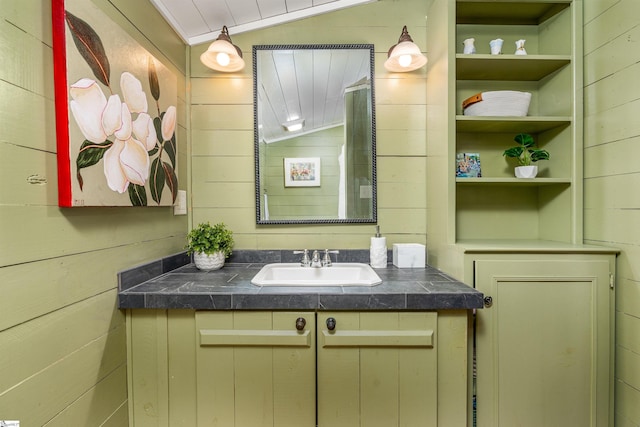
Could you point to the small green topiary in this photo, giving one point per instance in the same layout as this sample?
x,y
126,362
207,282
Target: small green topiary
x,y
209,239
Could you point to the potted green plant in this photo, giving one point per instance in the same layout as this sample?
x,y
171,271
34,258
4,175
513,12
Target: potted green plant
x,y
210,245
526,153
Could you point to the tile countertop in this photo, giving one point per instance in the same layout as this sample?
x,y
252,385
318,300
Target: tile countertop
x,y
230,288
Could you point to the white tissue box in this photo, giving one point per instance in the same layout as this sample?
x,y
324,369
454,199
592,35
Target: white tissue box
x,y
409,255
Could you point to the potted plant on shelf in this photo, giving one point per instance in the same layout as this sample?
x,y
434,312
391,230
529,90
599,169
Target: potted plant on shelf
x,y
210,245
526,153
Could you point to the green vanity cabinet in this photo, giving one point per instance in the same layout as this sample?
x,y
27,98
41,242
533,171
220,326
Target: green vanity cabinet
x,y
377,369
544,339
255,368
269,368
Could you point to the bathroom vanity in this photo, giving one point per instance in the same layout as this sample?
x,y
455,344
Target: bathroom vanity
x,y
211,349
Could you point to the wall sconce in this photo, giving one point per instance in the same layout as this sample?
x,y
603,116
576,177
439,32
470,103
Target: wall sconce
x,y
404,56
222,55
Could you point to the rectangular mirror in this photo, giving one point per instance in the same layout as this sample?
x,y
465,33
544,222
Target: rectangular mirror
x,y
314,134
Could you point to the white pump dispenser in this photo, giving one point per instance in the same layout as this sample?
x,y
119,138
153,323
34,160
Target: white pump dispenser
x,y
378,250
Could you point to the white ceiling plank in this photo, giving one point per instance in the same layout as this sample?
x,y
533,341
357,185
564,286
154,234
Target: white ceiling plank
x,y
293,5
238,28
269,8
244,11
216,14
304,80
183,17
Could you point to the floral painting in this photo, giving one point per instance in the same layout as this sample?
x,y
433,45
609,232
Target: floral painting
x,y
302,172
115,113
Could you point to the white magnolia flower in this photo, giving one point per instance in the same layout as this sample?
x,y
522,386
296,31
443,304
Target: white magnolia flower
x,y
134,96
168,123
145,131
127,160
87,107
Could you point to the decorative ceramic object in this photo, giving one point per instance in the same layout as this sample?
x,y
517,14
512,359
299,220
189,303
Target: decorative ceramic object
x,y
496,46
469,46
520,47
526,171
208,262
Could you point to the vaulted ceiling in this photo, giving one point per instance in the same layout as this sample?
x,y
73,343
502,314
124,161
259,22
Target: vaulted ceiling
x,y
306,86
200,21
303,85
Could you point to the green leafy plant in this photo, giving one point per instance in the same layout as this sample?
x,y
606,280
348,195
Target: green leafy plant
x,y
526,153
209,239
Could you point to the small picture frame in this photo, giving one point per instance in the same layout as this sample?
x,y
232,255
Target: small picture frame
x,y
468,165
302,172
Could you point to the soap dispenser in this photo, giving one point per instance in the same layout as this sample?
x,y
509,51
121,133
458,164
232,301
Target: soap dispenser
x,y
378,250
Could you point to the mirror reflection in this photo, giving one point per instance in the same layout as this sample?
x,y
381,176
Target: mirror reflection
x,y
314,130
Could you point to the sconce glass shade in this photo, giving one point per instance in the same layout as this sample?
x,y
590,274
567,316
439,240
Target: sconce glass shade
x,y
222,55
404,56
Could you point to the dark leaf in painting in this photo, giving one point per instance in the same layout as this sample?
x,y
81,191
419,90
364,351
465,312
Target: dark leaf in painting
x,y
80,180
157,180
153,79
171,180
91,153
170,149
157,123
90,47
137,195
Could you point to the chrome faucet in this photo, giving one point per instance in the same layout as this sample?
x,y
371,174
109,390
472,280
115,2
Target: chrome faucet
x,y
326,259
305,262
315,260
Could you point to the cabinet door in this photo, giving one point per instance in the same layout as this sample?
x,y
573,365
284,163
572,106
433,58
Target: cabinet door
x,y
377,369
543,343
255,369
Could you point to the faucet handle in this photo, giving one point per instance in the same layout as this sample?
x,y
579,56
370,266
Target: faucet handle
x,y
326,259
305,262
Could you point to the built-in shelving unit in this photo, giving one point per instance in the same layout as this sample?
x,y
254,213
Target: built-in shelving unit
x,y
498,204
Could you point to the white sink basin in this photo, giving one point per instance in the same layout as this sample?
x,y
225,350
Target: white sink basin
x,y
339,274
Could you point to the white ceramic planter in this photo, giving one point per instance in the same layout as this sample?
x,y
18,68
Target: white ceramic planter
x,y
206,262
526,171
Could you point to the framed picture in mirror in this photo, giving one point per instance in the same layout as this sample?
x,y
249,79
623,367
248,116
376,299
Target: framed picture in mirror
x,y
302,172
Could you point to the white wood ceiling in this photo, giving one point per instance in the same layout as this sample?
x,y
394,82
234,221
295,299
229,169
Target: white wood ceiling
x,y
200,21
307,85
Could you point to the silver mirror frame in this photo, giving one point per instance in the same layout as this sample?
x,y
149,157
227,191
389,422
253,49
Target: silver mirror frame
x,y
258,198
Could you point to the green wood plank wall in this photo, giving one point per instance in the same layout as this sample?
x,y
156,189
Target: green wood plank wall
x,y
222,132
612,175
62,339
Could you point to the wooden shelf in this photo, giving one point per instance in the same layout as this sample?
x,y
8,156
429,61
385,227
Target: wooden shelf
x,y
515,181
495,124
507,12
508,67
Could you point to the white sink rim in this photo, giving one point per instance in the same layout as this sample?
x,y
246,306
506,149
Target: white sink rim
x,y
339,274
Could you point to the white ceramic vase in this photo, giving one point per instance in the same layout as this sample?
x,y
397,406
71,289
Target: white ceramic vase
x,y
207,262
520,50
526,171
469,46
496,46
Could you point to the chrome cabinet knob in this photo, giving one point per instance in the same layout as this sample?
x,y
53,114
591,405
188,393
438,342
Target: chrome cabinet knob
x,y
488,301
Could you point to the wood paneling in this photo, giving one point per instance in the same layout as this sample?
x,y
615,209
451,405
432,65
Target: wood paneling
x,y
611,202
222,128
63,349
